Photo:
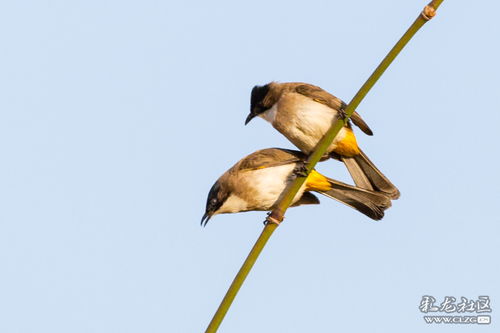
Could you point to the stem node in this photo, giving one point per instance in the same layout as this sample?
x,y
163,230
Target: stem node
x,y
275,218
428,13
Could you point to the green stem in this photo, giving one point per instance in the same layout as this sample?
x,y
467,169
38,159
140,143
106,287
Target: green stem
x,y
240,277
324,143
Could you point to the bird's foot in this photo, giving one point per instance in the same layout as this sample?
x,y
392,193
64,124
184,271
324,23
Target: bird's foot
x,y
301,170
342,114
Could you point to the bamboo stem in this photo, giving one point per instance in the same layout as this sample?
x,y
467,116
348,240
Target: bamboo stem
x,y
277,214
240,277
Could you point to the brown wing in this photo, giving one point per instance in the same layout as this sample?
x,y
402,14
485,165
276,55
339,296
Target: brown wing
x,y
319,95
270,157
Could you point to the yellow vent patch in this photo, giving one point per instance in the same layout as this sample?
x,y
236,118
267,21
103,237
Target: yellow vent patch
x,y
348,146
317,182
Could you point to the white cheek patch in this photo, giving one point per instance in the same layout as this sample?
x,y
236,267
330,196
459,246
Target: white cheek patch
x,y
233,204
270,114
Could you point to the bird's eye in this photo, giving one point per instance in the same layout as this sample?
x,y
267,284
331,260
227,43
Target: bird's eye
x,y
213,201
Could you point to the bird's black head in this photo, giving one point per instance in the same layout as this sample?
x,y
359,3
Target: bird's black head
x,y
257,101
216,197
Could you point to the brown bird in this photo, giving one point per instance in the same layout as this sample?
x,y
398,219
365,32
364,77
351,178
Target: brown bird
x,y
258,180
303,113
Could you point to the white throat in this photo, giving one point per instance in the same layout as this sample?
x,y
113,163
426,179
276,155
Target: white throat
x,y
270,114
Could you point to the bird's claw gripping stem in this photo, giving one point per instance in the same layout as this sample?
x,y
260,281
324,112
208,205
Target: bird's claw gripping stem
x,y
301,170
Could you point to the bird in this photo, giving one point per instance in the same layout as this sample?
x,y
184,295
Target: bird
x,y
303,113
257,183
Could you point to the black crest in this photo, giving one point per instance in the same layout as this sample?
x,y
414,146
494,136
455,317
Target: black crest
x,y
258,95
216,198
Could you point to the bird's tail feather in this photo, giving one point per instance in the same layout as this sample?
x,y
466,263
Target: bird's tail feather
x,y
370,203
366,175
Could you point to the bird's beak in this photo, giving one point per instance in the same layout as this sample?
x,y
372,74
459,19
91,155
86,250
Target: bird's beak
x,y
250,117
204,220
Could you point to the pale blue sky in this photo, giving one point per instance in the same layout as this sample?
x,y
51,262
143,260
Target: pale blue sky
x,y
116,117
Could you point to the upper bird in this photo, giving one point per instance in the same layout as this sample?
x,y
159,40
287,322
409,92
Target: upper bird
x,y
303,113
258,180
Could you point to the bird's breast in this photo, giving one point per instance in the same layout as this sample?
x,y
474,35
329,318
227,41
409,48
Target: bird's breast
x,y
304,122
262,188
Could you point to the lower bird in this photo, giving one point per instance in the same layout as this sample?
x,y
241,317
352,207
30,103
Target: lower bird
x,y
303,113
258,180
